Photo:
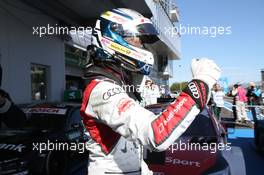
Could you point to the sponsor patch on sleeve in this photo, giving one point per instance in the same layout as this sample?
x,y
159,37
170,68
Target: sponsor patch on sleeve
x,y
171,118
124,105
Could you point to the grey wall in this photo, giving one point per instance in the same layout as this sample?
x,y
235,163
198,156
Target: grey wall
x,y
19,48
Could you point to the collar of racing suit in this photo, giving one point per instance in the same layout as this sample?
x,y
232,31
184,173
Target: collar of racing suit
x,y
110,74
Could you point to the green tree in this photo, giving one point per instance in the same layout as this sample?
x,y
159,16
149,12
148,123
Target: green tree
x,y
178,86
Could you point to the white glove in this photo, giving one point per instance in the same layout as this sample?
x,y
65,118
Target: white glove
x,y
205,70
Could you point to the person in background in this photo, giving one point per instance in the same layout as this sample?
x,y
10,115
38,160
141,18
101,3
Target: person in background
x,y
155,93
218,98
233,101
10,114
253,95
240,99
146,93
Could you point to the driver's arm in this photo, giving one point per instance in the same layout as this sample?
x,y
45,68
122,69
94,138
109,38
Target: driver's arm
x,y
106,103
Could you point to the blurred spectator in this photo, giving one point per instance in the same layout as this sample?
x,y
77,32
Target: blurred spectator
x,y
146,93
234,101
254,97
240,99
166,93
10,114
150,93
155,93
218,99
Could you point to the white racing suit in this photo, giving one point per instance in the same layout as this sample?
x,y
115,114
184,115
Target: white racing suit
x,y
119,126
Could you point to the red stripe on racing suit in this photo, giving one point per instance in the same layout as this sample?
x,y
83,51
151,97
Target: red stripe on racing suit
x,y
171,117
99,132
195,94
129,125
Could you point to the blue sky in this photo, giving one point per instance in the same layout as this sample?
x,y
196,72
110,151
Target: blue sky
x,y
240,54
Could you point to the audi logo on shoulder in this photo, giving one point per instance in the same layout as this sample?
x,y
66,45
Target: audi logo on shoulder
x,y
193,88
112,92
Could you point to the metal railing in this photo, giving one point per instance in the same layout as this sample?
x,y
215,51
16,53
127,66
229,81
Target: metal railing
x,y
168,6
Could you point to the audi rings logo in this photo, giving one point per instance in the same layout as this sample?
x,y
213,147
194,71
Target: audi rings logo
x,y
112,92
194,90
